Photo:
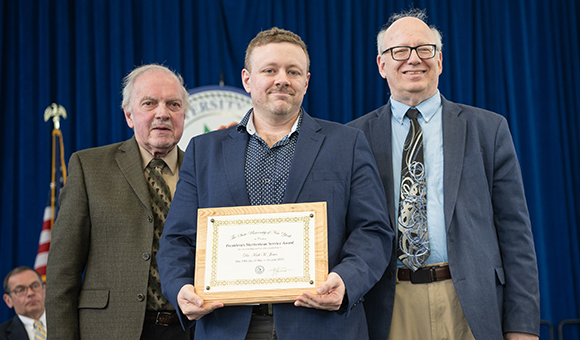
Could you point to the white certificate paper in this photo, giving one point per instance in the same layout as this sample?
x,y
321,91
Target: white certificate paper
x,y
260,251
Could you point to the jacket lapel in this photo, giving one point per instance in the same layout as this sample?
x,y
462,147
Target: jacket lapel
x,y
454,134
380,140
129,161
180,155
307,147
234,155
16,329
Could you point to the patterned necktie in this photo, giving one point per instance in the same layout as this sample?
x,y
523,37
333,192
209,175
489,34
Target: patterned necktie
x,y
39,331
160,202
412,223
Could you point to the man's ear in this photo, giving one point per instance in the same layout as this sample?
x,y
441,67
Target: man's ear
x,y
129,118
381,66
246,80
8,300
307,81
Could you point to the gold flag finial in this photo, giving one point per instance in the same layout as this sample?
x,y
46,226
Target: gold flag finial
x,y
55,111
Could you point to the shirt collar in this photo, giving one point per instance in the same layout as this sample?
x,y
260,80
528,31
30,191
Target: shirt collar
x,y
170,159
247,123
428,108
30,322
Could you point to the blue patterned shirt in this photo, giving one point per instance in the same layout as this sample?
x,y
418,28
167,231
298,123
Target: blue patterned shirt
x,y
267,169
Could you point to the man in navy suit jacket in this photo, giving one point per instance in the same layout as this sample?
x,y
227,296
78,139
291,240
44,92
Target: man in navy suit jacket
x,y
279,154
481,278
25,292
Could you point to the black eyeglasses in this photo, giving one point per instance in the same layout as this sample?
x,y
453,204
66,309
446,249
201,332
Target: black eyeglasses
x,y
401,53
20,291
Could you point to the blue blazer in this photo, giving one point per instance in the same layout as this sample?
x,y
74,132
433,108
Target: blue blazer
x,y
13,329
489,238
332,163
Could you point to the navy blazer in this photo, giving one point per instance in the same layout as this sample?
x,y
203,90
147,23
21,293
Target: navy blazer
x,y
332,163
13,329
489,238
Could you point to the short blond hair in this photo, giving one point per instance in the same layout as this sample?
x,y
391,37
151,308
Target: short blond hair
x,y
275,35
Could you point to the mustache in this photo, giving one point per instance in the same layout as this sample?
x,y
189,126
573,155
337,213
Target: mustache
x,y
281,89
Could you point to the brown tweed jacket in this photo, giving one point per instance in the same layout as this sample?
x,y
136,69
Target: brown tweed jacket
x,y
98,264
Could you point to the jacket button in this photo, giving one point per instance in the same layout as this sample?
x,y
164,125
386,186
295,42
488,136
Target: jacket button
x,y
146,256
140,297
150,219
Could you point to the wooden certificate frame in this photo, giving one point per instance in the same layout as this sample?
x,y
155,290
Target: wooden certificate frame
x,y
261,254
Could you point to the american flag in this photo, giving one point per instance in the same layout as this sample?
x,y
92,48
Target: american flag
x,y
58,178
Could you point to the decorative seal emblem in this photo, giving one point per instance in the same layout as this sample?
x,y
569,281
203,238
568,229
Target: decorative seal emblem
x,y
259,269
212,106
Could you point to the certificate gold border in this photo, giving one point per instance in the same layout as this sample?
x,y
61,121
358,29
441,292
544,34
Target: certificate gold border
x,y
262,295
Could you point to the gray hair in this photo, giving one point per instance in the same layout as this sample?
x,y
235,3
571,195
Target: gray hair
x,y
129,82
411,13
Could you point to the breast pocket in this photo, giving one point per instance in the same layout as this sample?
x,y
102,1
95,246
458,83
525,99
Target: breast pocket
x,y
97,299
327,186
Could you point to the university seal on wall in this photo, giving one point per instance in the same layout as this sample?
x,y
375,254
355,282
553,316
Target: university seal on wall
x,y
212,106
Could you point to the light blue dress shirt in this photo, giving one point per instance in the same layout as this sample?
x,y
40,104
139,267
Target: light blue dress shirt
x,y
431,123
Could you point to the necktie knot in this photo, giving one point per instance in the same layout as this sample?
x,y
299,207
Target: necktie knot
x,y
412,113
39,330
156,163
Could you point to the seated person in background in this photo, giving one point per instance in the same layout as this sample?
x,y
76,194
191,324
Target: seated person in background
x,y
24,291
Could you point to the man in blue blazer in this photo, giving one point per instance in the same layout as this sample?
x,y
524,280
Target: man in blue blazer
x,y
279,154
480,280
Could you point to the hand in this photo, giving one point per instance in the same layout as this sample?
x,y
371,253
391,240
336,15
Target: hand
x,y
520,336
330,295
232,123
192,305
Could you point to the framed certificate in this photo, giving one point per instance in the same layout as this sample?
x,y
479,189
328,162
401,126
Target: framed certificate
x,y
261,254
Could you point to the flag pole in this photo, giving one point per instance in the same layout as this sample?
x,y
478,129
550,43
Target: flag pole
x,y
54,112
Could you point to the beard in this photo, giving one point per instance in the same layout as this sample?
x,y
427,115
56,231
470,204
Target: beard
x,y
288,108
